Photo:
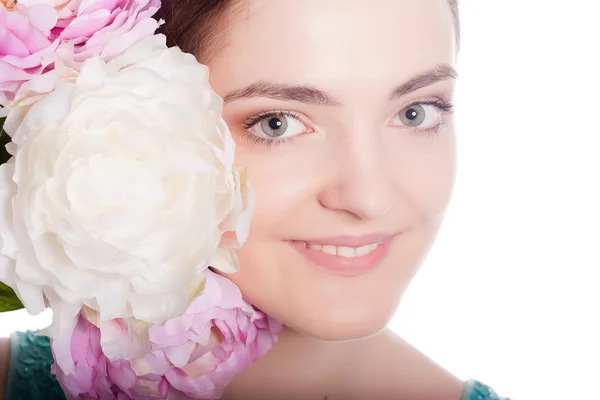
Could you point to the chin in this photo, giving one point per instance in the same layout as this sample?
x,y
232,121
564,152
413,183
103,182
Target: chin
x,y
341,324
339,333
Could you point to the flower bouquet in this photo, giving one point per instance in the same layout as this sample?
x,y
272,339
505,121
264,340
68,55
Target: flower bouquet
x,y
121,205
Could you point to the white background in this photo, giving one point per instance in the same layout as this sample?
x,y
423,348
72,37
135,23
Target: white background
x,y
510,292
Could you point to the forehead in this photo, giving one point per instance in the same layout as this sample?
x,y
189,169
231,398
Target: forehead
x,y
332,42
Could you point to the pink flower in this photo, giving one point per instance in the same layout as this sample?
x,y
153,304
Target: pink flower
x,y
95,376
26,51
192,356
105,28
42,41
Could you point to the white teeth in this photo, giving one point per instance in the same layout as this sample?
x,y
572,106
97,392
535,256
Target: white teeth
x,y
328,249
343,251
361,251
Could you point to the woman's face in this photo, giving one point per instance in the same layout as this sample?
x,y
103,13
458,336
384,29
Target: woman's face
x,y
339,111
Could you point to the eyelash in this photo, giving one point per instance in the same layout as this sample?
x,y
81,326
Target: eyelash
x,y
443,106
263,141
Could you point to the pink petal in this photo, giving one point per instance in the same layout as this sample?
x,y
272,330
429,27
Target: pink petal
x,y
89,6
163,386
154,363
172,328
42,16
19,36
201,387
180,355
121,374
86,26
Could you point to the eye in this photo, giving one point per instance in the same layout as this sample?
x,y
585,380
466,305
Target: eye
x,y
276,125
422,116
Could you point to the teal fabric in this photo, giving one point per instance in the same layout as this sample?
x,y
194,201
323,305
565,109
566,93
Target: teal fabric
x,y
476,390
29,376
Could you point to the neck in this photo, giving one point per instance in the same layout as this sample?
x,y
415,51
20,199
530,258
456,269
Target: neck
x,y
296,364
378,366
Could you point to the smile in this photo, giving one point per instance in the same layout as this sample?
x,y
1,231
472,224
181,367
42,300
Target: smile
x,y
346,255
343,251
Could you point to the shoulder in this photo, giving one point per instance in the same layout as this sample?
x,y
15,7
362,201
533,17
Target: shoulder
x,y
475,390
29,369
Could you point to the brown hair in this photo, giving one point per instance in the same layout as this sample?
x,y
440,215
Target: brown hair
x,y
196,26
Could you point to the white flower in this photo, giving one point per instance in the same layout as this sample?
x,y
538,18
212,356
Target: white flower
x,y
123,189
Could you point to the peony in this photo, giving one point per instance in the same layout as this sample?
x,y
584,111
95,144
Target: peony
x,y
105,28
122,190
26,51
195,355
43,41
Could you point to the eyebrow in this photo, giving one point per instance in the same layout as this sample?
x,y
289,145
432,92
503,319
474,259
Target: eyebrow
x,y
440,73
312,95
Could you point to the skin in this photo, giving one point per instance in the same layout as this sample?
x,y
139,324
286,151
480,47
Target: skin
x,y
4,357
354,174
354,169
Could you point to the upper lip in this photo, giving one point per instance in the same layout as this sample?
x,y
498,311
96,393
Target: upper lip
x,y
349,241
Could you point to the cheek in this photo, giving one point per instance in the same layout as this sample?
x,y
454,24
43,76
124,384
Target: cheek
x,y
284,189
426,177
284,185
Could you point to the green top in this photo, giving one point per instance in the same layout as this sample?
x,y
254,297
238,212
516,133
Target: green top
x,y
478,391
29,376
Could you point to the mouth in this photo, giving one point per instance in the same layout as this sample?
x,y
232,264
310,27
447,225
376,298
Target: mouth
x,y
342,251
346,255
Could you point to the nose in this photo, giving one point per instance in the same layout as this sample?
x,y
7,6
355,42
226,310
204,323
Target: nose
x,y
361,182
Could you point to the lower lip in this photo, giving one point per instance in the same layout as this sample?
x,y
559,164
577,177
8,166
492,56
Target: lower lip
x,y
345,265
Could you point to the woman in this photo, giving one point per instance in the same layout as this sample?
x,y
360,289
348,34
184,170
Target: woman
x,y
342,112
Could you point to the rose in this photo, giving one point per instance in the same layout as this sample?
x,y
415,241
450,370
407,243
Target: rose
x,y
122,190
105,28
196,354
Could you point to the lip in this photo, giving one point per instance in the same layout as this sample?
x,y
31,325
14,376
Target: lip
x,y
345,265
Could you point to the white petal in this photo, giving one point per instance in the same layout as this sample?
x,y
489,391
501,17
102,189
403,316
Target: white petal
x,y
124,338
31,296
64,320
224,260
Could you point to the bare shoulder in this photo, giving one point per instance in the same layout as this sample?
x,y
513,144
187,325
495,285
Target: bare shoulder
x,y
4,358
388,362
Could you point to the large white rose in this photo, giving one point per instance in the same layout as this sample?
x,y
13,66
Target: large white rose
x,y
122,190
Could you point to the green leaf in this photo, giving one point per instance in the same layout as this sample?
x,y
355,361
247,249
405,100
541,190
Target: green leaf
x,y
8,299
